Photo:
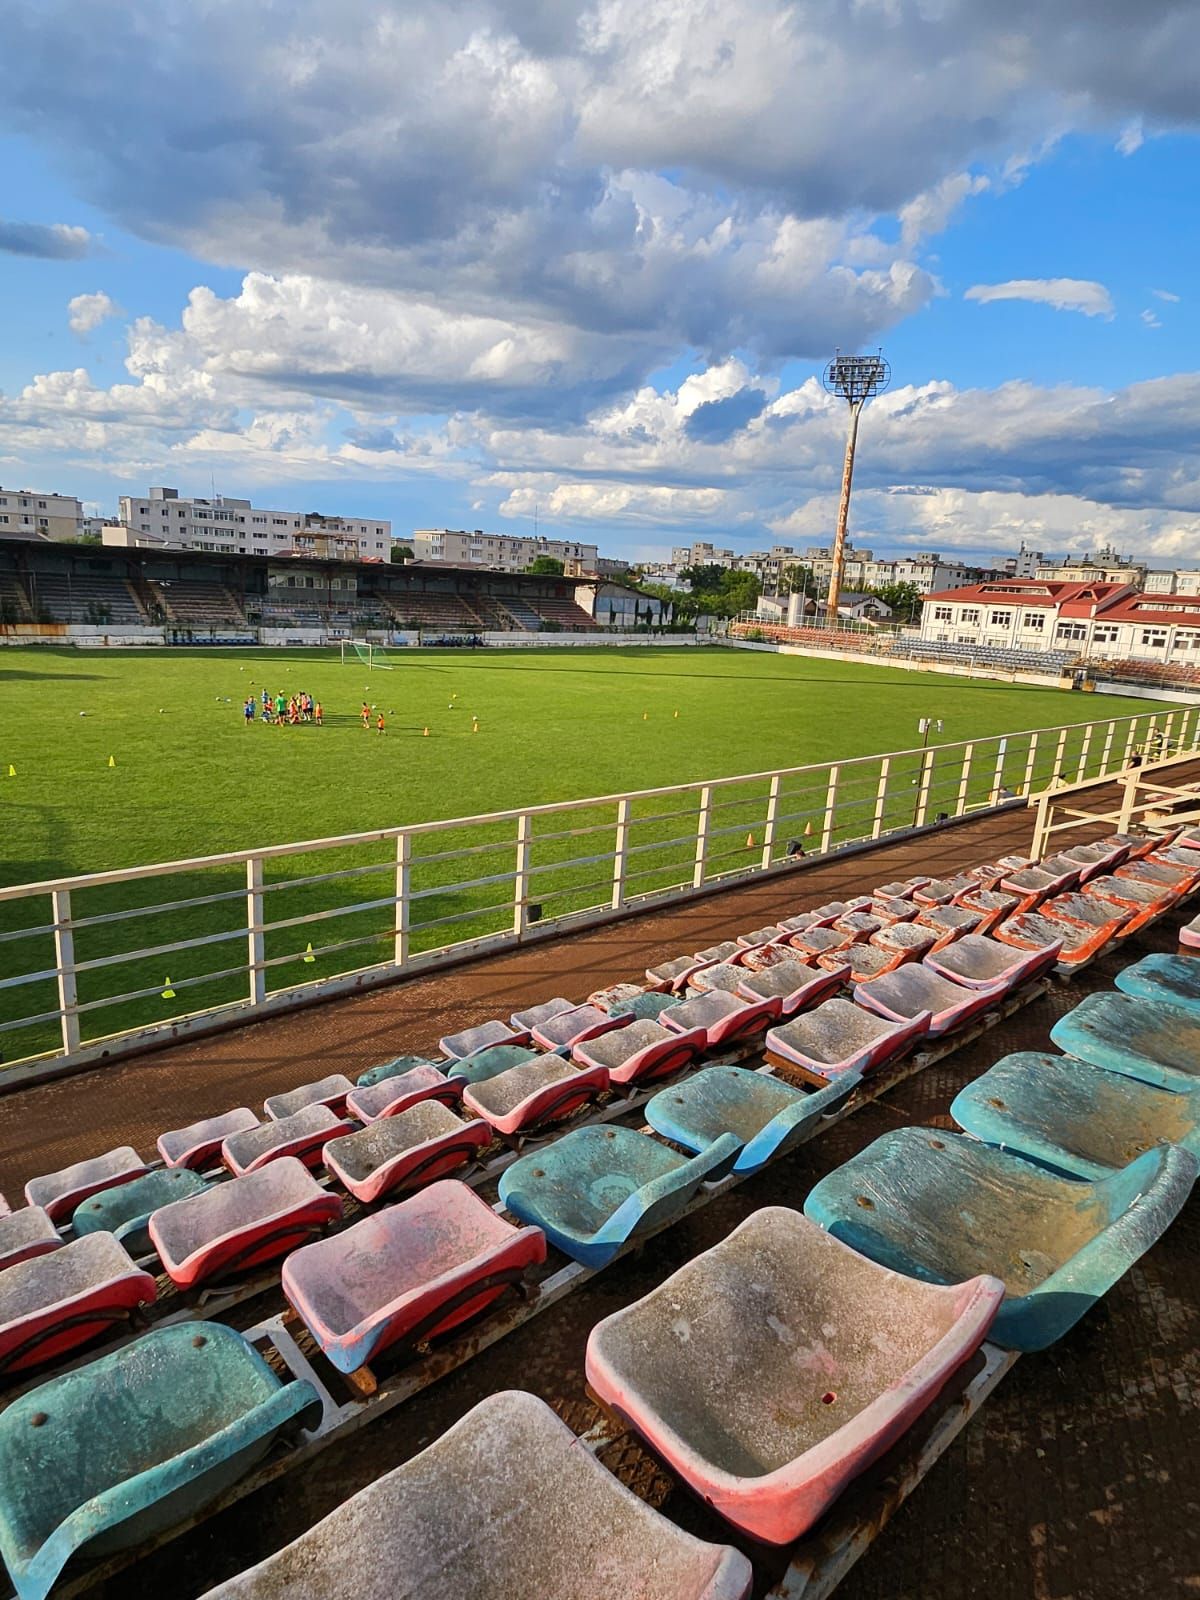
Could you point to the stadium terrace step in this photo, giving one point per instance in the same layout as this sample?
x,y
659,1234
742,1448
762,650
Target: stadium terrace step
x,y
641,1052
859,962
471,1040
1172,980
1073,1116
948,923
199,1145
24,1234
303,1135
412,1271
1140,1038
393,1069
724,1019
53,1303
905,939
595,1189
942,1207
839,1037
980,963
527,1097
236,1225
125,1212
766,1116
569,1028
990,904
505,1493
406,1089
794,984
58,1193
941,891
725,976
496,1058
405,1151
858,926
914,990
526,1021
773,1368
330,1091
99,1459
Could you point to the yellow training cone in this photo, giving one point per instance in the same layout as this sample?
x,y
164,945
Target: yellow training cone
x,y
112,761
308,955
645,716
749,841
675,713
168,993
808,830
424,733
12,771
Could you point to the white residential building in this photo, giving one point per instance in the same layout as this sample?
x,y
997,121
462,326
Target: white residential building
x,y
497,552
231,526
39,514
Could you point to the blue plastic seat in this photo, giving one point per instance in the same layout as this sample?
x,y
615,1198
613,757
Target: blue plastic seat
x,y
497,1058
1076,1117
595,1189
126,1210
116,1451
943,1207
1170,979
394,1068
766,1116
1141,1038
646,1007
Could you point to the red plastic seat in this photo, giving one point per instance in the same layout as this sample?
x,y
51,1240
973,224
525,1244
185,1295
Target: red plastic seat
x,y
199,1145
56,1302
58,1193
529,1096
723,1018
643,1052
406,1151
393,1095
303,1135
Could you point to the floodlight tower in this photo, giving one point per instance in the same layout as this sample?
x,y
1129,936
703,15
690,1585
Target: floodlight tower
x,y
857,379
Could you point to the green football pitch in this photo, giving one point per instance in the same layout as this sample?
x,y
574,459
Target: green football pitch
x,y
120,759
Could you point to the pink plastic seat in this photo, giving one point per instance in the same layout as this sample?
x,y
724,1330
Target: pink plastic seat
x,y
408,1273
841,1037
857,925
724,975
570,1028
722,1018
1034,930
991,904
330,1091
460,1045
941,891
58,1193
772,1369
913,990
820,940
725,951
199,1144
764,956
26,1233
797,986
57,1301
859,962
642,1052
1189,934
760,936
890,911
526,1021
903,890
906,939
303,1135
674,974
236,1225
980,963
393,1095
616,994
948,923
406,1151
1031,884
541,1091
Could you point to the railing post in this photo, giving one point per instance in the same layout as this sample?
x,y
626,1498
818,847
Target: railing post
x,y
1129,742
702,822
619,855
960,805
1041,826
827,828
1151,747
998,776
885,767
770,823
1167,731
521,878
1030,763
1059,757
255,938
923,789
403,909
1130,786
64,960
1107,751
1084,747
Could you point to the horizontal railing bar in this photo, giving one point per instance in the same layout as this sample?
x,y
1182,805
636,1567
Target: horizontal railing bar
x,y
155,909
494,845
322,877
158,950
45,975
660,844
28,1022
324,916
30,932
574,861
468,883
461,916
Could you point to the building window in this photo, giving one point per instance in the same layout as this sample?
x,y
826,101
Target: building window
x,y
942,614
1001,619
1071,630
1035,620
1156,638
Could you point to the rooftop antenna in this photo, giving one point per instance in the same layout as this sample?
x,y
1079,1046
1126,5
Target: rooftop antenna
x,y
857,379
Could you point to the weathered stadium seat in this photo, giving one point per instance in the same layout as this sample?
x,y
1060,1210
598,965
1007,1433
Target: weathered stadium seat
x,y
236,1225
857,925
906,939
304,1135
471,1040
772,1369
941,891
1092,859
199,1144
1074,1116
861,961
125,1211
1189,934
569,1028
99,1459
889,911
1141,1038
760,936
762,956
405,1089
951,922
526,1021
980,962
839,1036
797,986
943,1207
505,1493
1170,979
615,994
914,990
330,1091
394,1069
641,1052
58,1193
725,975
528,1097
645,1007
1144,900
407,1273
820,940
766,1116
595,1189
53,1303
26,1233
903,890
990,904
405,1151
1031,930
495,1058
723,1018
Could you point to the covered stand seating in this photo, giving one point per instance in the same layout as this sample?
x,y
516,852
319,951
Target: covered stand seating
x,y
1140,1038
405,1151
330,1091
766,1116
841,1037
199,1145
407,1273
393,1095
504,1494
711,1367
1073,1116
914,990
528,1097
943,1207
52,1303
125,1211
303,1135
596,1188
641,1051
103,1457
233,1226
24,1234
58,1193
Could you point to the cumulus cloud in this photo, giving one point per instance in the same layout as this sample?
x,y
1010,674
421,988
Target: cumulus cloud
x,y
1064,294
86,312
54,241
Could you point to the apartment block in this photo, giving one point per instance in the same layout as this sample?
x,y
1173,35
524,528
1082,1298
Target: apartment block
x,y
497,552
231,526
39,514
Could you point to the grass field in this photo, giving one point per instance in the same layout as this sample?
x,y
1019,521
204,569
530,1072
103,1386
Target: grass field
x,y
189,779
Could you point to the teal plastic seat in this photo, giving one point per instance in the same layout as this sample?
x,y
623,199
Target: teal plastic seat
x,y
647,1007
126,1210
943,1207
766,1116
497,1058
119,1450
1142,1038
394,1068
595,1189
1171,979
1073,1116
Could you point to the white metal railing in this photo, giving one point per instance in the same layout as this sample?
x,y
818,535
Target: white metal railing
x,y
100,963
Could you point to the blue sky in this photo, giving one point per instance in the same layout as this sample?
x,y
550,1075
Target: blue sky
x,y
451,266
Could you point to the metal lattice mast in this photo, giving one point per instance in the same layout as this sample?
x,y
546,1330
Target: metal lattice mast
x,y
856,379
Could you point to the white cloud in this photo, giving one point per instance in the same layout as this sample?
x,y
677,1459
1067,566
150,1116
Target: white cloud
x,y
1132,137
55,241
86,312
1064,294
1149,318
1165,294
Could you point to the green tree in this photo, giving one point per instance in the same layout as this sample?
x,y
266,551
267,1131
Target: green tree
x,y
797,579
720,592
401,552
904,599
545,567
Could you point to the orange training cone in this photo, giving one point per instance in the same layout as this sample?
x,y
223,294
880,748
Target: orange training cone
x,y
749,841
